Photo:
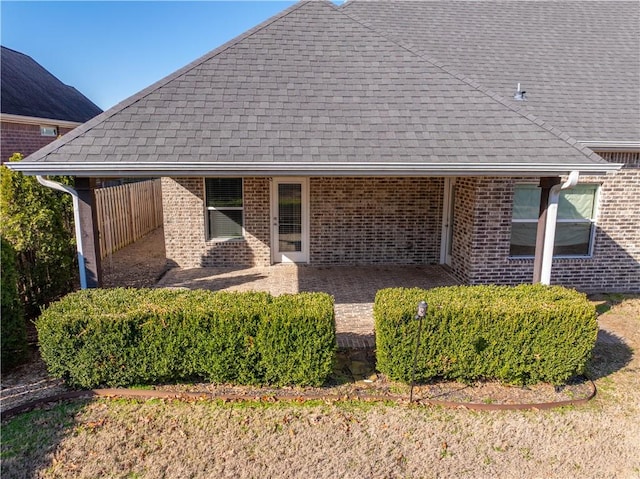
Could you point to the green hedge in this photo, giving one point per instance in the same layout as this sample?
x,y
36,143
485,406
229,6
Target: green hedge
x,y
519,335
120,337
13,332
38,222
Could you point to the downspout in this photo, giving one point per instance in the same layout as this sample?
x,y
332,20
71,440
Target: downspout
x,y
76,219
550,230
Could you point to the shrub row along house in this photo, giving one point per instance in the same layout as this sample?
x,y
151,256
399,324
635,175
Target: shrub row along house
x,y
399,132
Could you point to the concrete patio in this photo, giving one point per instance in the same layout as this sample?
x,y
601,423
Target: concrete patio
x,y
353,287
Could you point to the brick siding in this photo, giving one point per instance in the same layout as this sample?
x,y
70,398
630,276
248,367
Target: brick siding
x,y
399,221
185,229
376,220
483,223
353,221
482,227
23,138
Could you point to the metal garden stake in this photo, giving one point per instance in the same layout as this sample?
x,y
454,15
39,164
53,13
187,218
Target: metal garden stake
x,y
422,312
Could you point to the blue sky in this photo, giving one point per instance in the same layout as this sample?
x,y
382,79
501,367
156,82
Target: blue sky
x,y
111,50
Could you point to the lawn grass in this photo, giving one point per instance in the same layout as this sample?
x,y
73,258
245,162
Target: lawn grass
x,y
37,431
149,439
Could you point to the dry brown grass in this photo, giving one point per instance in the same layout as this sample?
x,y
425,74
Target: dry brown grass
x,y
345,440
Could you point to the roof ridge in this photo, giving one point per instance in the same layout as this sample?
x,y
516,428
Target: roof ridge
x,y
117,108
520,110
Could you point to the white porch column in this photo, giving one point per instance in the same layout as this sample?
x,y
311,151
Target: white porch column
x,y
550,230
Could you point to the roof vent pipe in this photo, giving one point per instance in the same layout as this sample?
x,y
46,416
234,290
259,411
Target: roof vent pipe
x,y
76,219
520,94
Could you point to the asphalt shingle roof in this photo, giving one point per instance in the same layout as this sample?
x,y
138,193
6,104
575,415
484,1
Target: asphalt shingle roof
x,y
579,61
27,89
314,86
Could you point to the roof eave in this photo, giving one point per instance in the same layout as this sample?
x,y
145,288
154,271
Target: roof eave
x,y
32,120
307,169
605,145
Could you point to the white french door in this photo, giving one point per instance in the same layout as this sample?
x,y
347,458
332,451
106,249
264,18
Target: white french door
x,y
290,220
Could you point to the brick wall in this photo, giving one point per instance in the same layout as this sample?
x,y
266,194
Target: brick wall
x,y
375,220
398,221
483,224
23,138
463,230
185,229
353,221
615,265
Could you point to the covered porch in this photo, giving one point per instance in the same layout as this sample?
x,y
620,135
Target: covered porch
x,y
353,288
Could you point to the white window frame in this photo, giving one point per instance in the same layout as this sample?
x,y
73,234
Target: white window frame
x,y
592,221
223,208
48,130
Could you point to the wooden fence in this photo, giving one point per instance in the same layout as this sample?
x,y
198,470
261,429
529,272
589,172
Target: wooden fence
x,y
127,213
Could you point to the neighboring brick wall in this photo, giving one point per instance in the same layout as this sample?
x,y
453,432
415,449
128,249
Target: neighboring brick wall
x,y
23,138
375,220
184,226
483,225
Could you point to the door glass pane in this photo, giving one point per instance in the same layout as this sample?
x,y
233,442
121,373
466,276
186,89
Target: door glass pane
x,y
290,217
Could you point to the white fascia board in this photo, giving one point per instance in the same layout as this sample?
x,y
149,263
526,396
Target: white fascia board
x,y
154,169
612,145
32,120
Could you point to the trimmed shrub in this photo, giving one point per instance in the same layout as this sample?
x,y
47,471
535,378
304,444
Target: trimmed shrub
x,y
223,348
13,333
296,339
120,337
519,335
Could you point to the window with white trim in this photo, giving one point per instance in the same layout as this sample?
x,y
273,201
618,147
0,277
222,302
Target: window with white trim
x,y
48,130
575,226
225,210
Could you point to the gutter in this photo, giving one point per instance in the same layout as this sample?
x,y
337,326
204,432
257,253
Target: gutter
x,y
76,219
309,169
550,229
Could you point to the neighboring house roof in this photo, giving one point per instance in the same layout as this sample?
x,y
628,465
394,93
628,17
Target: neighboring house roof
x,y
27,89
314,92
579,61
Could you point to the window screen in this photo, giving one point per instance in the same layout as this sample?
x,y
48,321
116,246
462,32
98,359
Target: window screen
x,y
224,207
